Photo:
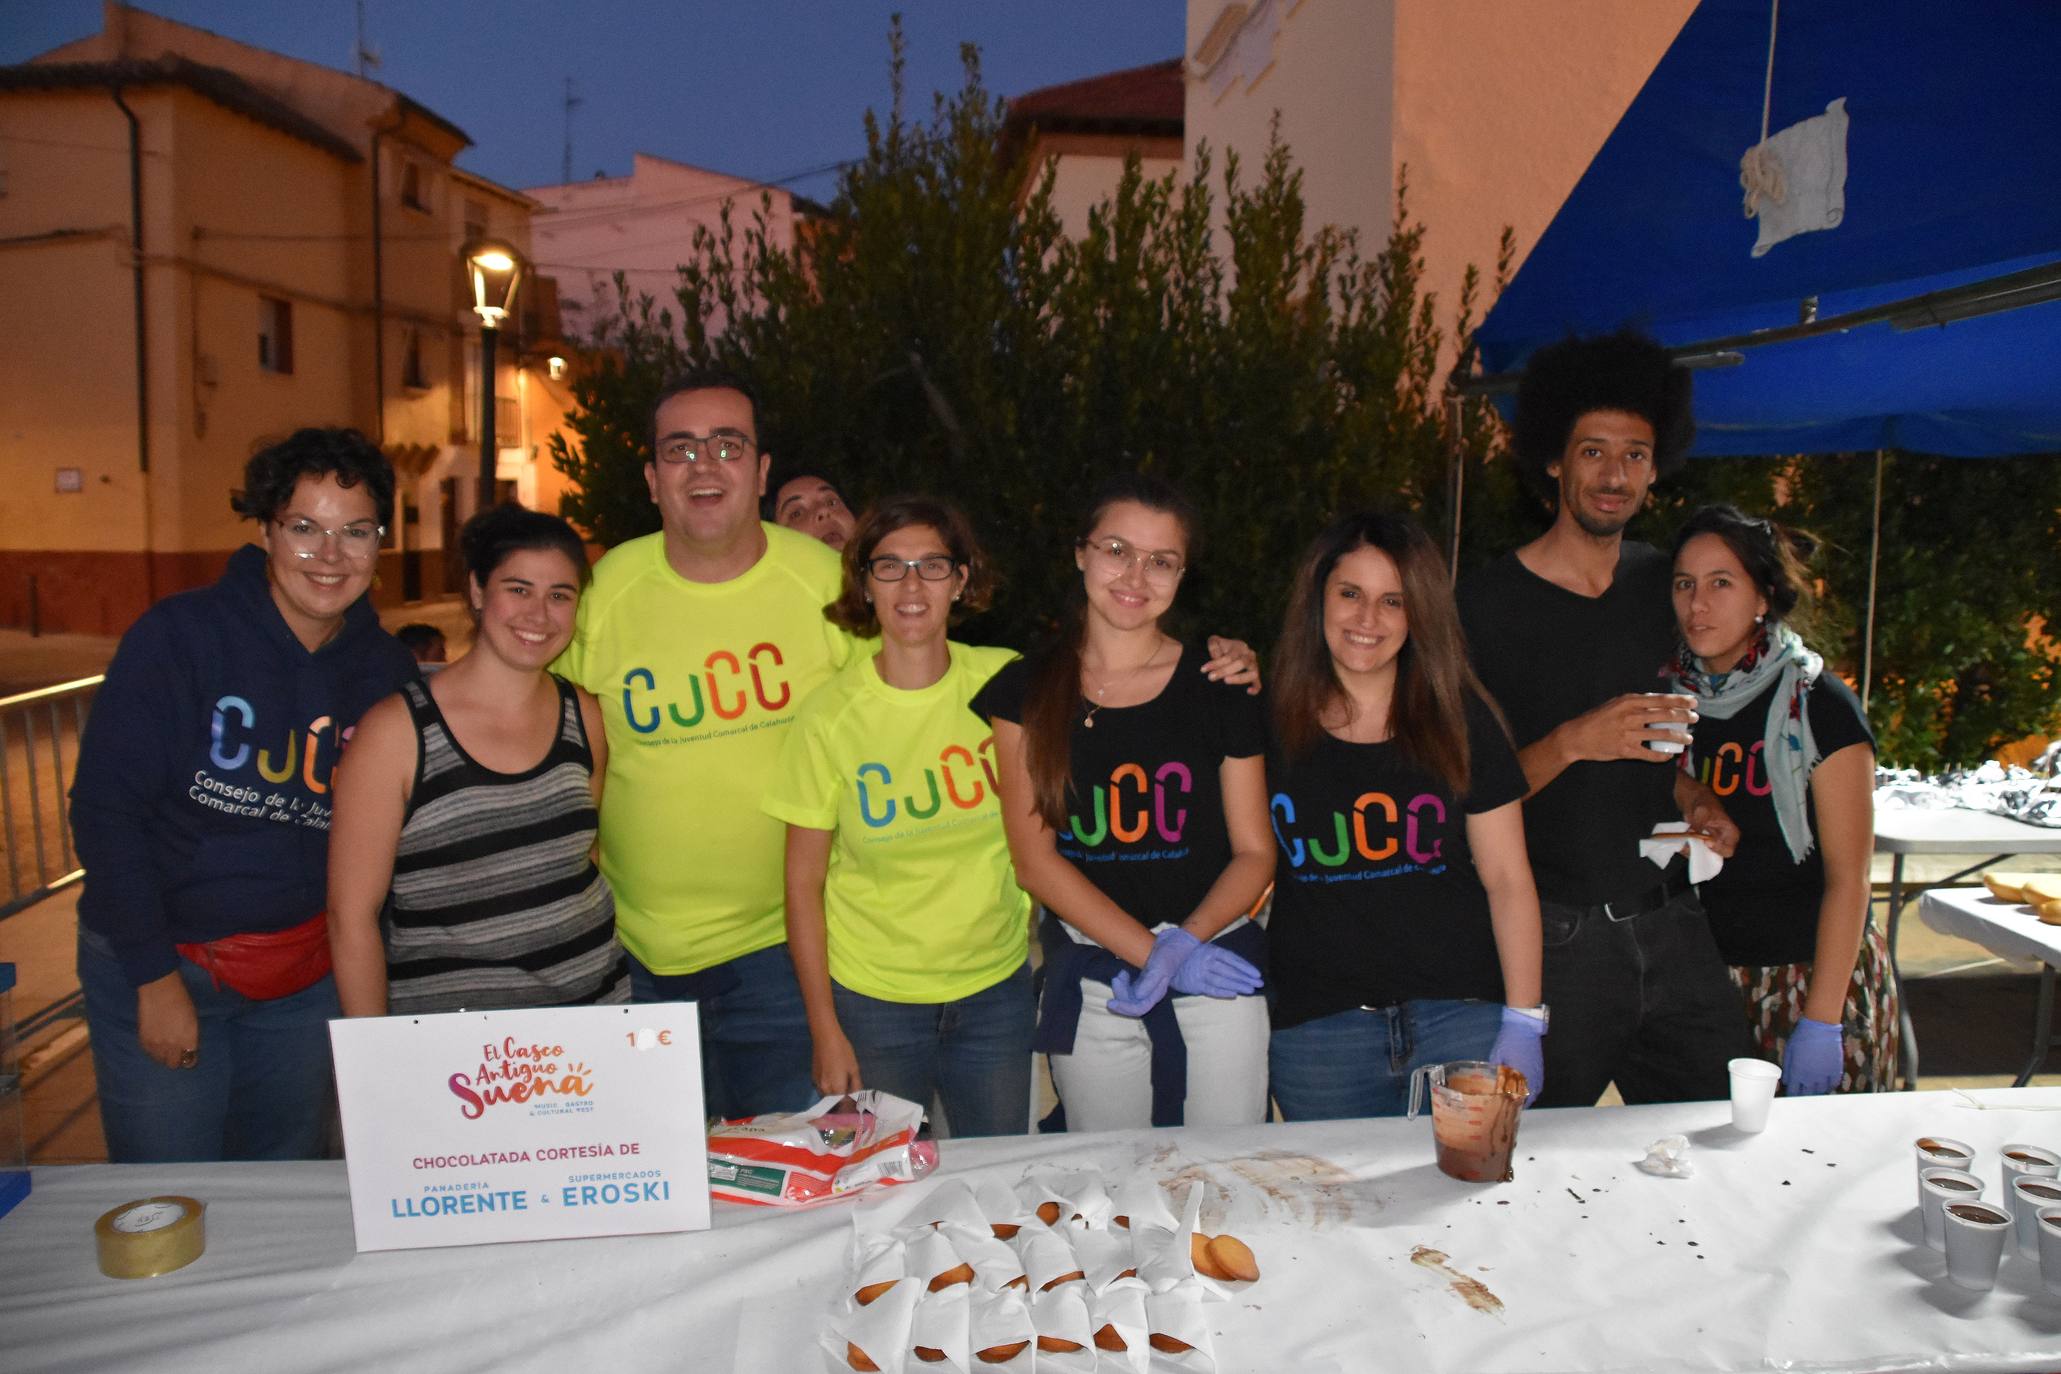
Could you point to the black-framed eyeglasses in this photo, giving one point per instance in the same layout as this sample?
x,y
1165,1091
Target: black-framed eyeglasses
x,y
935,568
723,446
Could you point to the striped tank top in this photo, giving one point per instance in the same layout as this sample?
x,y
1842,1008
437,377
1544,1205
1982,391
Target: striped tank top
x,y
496,900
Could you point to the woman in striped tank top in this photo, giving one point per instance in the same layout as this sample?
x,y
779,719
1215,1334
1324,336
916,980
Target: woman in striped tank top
x,y
473,798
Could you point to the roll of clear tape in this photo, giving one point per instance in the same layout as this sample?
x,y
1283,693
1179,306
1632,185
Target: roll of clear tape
x,y
150,1236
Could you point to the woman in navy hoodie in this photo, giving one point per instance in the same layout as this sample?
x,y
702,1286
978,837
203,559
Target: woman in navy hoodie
x,y
201,809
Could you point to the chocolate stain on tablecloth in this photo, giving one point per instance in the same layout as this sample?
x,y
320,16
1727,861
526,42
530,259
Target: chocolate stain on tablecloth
x,y
1311,1190
1471,1291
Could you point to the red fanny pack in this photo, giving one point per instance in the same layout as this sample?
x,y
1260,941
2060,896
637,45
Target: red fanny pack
x,y
268,965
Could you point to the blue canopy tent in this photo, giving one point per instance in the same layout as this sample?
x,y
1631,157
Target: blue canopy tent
x,y
1926,317
1902,288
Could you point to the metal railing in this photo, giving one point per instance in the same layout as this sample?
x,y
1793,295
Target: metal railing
x,y
39,748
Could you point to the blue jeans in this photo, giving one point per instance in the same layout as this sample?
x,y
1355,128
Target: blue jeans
x,y
1358,1063
975,1052
755,1050
1645,1002
262,1086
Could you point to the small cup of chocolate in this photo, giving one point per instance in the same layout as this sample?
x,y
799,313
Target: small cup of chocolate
x,y
1975,1233
2018,1161
1940,1152
1941,1188
2027,1195
2048,1220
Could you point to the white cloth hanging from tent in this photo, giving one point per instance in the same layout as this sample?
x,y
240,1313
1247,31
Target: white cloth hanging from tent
x,y
1795,179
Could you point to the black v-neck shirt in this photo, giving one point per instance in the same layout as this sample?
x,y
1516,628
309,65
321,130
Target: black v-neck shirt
x,y
1547,655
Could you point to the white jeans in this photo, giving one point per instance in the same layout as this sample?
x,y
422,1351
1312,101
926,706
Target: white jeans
x,y
1106,1083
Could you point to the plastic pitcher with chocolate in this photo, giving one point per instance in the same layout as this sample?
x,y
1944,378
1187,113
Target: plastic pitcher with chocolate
x,y
1474,1109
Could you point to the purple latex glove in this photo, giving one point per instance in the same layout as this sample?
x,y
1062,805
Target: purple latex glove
x,y
1213,972
1815,1058
1135,994
1521,1044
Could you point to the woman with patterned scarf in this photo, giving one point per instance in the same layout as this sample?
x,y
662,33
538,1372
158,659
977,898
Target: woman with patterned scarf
x,y
1787,747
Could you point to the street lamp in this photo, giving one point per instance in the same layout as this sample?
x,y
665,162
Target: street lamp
x,y
495,269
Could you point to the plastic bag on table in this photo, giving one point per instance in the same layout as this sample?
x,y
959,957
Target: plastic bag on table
x,y
837,1148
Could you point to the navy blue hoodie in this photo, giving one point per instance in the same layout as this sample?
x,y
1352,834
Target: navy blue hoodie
x,y
201,800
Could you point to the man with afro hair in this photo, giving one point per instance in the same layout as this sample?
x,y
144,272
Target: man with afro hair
x,y
1572,633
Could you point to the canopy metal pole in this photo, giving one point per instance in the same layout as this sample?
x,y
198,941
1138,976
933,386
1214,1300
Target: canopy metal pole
x,y
1874,562
1456,480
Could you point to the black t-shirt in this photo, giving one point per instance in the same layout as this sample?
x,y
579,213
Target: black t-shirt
x,y
1376,900
1547,655
1146,805
1763,905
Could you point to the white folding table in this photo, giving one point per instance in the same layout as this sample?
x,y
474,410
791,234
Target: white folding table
x,y
1799,1248
2012,931
1908,830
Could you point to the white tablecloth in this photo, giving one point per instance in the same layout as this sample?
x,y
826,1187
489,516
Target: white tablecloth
x,y
1794,1249
1906,830
2003,928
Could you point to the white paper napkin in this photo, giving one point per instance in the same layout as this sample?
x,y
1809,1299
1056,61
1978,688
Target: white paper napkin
x,y
1667,840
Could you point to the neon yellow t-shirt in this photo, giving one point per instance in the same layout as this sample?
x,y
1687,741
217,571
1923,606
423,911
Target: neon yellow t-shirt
x,y
698,683
921,900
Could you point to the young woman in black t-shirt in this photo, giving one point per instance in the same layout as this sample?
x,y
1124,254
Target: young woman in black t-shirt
x,y
1787,748
1405,928
1134,796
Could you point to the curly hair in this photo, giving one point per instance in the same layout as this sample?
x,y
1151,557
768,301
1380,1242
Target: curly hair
x,y
1626,371
852,611
273,472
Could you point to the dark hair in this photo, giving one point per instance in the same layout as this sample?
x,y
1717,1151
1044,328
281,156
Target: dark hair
x,y
418,636
1625,371
1768,553
1434,680
489,537
273,472
787,472
704,379
1054,690
852,611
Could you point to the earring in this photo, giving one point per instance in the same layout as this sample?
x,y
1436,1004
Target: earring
x,y
1758,619
957,595
869,598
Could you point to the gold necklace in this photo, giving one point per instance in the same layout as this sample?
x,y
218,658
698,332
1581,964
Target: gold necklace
x,y
1088,721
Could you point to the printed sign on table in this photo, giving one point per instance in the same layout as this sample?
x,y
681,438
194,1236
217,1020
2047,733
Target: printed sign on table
x,y
473,1127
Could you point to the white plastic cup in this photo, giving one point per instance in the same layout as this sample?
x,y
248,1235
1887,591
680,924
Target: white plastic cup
x,y
2027,1195
1937,1188
2049,1222
2022,1160
1975,1235
1753,1090
1940,1152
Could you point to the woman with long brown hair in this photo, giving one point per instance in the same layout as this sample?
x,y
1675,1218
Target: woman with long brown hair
x,y
1405,928
1134,795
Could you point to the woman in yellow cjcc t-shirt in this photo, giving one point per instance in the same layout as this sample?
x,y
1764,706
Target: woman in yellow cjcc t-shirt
x,y
908,931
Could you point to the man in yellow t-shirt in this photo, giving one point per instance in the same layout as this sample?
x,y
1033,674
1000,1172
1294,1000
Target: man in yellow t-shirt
x,y
701,642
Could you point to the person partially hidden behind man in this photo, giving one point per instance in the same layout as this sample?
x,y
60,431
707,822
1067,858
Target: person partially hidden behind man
x,y
1572,633
809,504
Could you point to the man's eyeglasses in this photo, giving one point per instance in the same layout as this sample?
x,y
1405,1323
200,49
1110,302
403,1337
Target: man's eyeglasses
x,y
722,447
1115,558
358,542
933,569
